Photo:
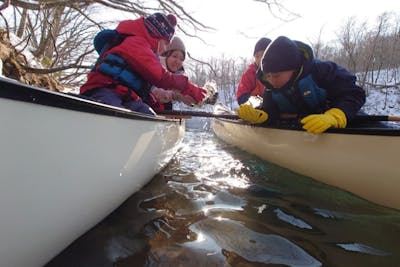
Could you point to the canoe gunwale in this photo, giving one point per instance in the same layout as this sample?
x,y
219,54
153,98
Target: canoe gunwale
x,y
14,90
353,128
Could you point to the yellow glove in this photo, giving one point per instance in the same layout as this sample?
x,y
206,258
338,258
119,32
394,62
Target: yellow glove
x,y
318,123
250,114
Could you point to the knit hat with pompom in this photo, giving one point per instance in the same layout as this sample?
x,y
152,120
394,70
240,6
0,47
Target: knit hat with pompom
x,y
161,26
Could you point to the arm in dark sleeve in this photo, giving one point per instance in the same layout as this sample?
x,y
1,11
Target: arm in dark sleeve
x,y
342,91
270,107
243,98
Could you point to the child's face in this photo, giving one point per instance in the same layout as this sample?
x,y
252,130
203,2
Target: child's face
x,y
279,79
258,57
175,60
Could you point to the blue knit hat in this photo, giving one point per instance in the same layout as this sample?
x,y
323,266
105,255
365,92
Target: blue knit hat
x,y
261,45
281,55
161,26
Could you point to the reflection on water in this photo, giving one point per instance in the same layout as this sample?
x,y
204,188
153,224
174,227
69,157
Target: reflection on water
x,y
216,205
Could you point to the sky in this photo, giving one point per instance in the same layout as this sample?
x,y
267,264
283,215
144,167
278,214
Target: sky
x,y
240,23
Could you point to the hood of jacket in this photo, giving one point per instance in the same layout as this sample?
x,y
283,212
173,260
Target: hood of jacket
x,y
307,57
136,27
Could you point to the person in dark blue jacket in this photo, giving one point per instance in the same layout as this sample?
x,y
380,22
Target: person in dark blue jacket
x,y
322,93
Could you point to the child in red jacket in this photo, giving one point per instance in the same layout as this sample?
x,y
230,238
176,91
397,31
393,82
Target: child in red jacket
x,y
172,59
249,85
123,74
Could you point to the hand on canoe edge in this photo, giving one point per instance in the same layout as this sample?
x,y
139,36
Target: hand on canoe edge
x,y
248,113
319,123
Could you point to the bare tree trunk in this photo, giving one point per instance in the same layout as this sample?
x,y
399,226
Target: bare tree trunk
x,y
22,23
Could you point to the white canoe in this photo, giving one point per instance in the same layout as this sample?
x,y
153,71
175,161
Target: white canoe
x,y
66,163
363,161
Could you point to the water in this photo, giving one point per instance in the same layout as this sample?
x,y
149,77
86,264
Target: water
x,y
215,205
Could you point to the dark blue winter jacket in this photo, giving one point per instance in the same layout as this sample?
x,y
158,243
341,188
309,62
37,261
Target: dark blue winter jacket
x,y
316,87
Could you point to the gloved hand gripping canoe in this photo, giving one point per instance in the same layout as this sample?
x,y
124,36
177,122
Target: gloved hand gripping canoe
x,y
319,123
248,113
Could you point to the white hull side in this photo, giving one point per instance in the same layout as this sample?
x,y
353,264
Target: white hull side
x,y
63,171
366,165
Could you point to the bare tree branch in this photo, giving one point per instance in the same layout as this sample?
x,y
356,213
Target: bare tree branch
x,y
5,4
202,62
76,65
60,32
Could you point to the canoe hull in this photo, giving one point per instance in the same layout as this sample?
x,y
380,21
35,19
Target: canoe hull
x,y
353,162
63,171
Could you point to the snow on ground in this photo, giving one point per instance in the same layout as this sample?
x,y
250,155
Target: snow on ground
x,y
25,50
383,102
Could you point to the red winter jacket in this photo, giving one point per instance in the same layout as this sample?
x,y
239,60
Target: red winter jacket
x,y
249,85
137,49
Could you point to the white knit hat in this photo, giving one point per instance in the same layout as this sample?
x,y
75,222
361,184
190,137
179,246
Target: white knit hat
x,y
175,44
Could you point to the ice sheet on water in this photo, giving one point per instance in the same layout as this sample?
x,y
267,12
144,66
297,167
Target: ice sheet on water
x,y
357,247
253,246
291,219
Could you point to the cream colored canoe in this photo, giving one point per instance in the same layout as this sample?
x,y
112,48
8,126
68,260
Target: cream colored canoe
x,y
66,163
363,161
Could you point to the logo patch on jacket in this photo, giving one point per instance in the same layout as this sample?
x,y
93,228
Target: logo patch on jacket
x,y
307,92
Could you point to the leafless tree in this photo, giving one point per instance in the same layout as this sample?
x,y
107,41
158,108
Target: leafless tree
x,y
318,45
227,73
370,51
60,32
350,38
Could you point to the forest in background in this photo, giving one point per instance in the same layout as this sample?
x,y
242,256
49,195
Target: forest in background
x,y
60,36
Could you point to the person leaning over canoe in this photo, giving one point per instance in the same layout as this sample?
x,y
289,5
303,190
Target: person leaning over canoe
x,y
172,59
324,94
249,85
123,72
